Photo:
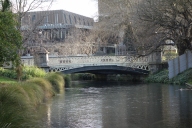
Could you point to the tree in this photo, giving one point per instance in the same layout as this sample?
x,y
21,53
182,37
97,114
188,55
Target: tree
x,y
10,37
5,5
151,22
114,22
168,19
21,8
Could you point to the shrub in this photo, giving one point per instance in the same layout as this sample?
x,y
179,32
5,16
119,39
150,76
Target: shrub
x,y
15,107
159,77
57,81
45,85
67,79
34,91
31,71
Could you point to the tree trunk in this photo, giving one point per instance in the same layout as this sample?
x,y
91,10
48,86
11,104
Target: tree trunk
x,y
183,46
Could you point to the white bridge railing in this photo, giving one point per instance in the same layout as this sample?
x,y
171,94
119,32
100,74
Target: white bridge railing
x,y
65,63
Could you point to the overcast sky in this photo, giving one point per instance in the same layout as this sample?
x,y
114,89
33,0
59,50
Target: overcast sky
x,y
83,7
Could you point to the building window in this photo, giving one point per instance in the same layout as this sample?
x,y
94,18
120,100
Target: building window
x,y
56,18
33,18
70,19
79,21
65,19
46,19
75,19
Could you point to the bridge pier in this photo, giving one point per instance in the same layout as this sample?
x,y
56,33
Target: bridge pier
x,y
101,77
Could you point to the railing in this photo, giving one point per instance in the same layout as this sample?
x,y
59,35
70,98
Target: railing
x,y
78,61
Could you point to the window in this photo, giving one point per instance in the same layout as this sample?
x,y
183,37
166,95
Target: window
x,y
46,19
75,19
33,18
79,21
65,19
56,18
70,19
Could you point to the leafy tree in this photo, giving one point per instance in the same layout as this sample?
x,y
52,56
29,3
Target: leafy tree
x,y
5,5
10,37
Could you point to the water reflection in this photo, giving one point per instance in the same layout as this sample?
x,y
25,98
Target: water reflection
x,y
117,105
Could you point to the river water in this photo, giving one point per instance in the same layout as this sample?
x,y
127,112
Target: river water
x,y
120,105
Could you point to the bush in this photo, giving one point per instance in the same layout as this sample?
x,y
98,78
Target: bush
x,y
15,107
34,91
67,79
160,77
45,85
57,81
31,71
28,72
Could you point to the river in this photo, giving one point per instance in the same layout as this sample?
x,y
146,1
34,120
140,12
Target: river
x,y
120,105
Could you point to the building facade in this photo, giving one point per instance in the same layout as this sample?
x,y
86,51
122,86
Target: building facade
x,y
53,27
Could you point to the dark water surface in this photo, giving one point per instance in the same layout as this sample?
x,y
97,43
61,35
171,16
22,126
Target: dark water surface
x,y
117,105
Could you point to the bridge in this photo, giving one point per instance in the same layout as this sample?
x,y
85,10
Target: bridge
x,y
97,64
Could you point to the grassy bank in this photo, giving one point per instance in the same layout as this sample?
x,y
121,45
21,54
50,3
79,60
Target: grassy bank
x,y
19,100
7,80
162,77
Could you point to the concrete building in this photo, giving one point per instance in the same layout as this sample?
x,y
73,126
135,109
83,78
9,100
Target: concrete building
x,y
53,27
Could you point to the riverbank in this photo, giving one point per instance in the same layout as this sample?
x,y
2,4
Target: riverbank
x,y
19,100
162,77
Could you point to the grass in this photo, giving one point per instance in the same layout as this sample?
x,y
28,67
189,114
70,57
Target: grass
x,y
7,80
19,100
57,81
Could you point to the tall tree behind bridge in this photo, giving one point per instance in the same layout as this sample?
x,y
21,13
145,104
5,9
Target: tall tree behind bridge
x,y
114,21
151,21
170,19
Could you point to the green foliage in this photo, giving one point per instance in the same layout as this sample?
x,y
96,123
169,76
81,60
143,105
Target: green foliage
x,y
160,77
28,72
182,78
31,71
57,81
5,5
7,80
67,79
45,85
15,108
10,38
18,102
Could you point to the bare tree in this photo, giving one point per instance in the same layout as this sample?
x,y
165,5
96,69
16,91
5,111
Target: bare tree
x,y
162,19
115,21
148,23
22,9
78,41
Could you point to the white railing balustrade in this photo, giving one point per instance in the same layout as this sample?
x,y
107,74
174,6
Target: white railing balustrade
x,y
78,61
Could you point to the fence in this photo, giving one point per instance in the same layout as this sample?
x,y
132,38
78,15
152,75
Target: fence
x,y
180,64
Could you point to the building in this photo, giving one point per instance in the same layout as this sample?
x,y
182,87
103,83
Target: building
x,y
112,16
53,28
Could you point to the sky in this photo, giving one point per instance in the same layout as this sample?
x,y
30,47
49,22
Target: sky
x,y
83,7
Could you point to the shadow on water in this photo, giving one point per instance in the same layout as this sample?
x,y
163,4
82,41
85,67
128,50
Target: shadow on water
x,y
101,84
